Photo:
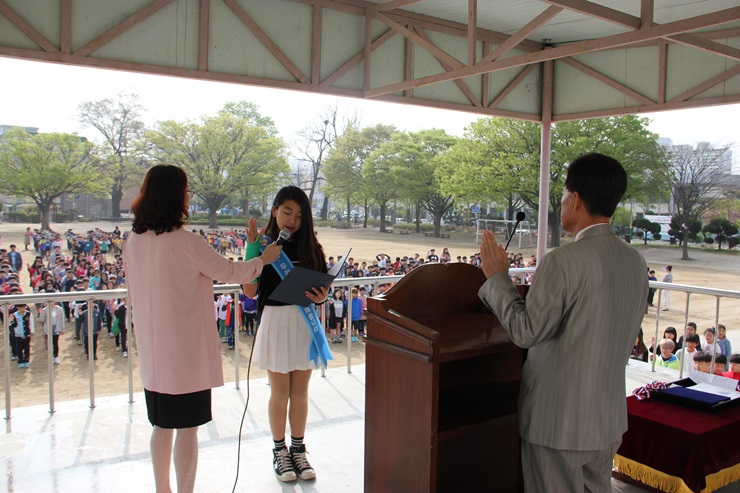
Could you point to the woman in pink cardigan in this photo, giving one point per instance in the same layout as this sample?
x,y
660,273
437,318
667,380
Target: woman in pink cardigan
x,y
169,275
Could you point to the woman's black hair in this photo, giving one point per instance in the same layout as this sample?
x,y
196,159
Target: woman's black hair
x,y
161,205
310,253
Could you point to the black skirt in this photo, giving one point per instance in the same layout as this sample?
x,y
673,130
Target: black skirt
x,y
178,411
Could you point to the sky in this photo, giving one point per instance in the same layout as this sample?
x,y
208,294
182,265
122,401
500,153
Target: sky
x,y
46,95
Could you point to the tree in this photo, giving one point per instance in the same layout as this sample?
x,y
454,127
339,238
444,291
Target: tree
x,y
625,138
692,230
417,157
225,156
344,166
119,121
504,159
496,160
312,147
43,167
250,112
647,226
722,229
694,177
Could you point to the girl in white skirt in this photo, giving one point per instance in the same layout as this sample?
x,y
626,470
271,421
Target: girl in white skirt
x,y
283,338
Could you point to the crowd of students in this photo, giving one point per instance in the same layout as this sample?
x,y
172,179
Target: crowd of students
x,y
86,264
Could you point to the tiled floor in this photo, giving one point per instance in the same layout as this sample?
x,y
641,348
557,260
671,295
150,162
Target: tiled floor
x,y
106,449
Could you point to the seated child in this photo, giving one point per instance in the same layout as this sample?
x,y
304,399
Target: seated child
x,y
734,367
720,363
686,354
667,359
702,361
709,341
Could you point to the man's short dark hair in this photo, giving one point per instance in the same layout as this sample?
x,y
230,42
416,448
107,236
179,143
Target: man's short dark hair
x,y
600,181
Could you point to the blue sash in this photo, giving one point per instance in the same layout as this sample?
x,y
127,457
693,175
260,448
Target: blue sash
x,y
318,350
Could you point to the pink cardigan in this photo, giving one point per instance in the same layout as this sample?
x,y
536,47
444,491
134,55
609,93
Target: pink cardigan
x,y
169,281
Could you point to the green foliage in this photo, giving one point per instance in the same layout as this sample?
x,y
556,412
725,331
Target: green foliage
x,y
621,218
498,160
250,112
682,233
708,240
350,175
42,167
225,156
647,226
732,242
721,229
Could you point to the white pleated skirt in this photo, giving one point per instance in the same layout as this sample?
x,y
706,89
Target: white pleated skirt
x,y
283,340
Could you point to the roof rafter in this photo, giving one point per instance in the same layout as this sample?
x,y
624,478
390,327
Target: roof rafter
x,y
458,82
627,20
123,26
266,41
26,28
591,45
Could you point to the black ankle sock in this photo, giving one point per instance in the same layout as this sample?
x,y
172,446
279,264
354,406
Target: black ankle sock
x,y
279,444
296,442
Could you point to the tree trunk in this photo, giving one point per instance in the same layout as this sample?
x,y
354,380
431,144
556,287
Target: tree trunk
x,y
685,244
45,219
367,213
418,217
382,217
437,223
116,194
325,208
553,219
393,214
349,219
212,221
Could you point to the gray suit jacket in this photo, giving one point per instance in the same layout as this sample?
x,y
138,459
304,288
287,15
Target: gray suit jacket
x,y
580,322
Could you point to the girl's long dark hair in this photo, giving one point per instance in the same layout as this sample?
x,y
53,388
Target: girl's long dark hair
x,y
161,206
310,252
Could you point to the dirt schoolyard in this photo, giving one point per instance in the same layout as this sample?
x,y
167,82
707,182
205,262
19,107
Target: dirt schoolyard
x,y
708,268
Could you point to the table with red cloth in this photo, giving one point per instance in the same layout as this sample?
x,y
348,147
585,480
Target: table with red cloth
x,y
666,444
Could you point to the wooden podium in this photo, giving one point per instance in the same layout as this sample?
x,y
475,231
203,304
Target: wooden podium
x,y
441,388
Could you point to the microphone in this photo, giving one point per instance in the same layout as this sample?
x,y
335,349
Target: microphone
x,y
283,237
519,218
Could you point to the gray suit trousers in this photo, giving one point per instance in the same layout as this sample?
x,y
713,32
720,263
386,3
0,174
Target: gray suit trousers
x,y
553,470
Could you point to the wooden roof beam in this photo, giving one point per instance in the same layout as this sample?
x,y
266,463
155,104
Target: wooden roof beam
x,y
587,46
26,28
123,26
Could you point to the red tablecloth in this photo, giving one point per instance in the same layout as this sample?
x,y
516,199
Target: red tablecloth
x,y
681,442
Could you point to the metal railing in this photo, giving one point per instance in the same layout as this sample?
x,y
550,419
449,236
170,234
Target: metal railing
x,y
689,290
234,290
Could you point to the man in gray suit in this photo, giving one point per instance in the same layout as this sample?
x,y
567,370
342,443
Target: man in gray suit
x,y
580,321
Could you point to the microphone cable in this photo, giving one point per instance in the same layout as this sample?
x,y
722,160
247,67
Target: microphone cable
x,y
246,405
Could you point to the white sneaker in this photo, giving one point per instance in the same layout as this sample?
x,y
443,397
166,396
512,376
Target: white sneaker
x,y
110,334
125,354
57,361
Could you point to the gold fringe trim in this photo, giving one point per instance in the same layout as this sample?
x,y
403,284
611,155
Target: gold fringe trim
x,y
671,484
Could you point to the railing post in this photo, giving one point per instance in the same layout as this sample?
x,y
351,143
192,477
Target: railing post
x,y
235,311
716,330
6,359
50,305
91,351
685,324
349,328
129,346
325,325
657,327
